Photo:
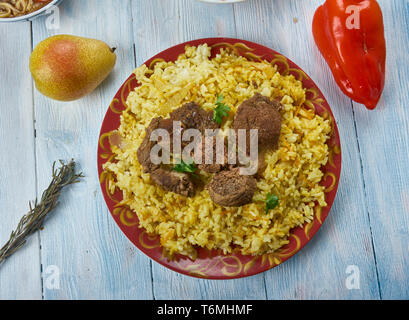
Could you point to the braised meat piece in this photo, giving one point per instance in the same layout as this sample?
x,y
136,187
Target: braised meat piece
x,y
144,151
168,180
177,182
230,189
211,155
193,116
259,112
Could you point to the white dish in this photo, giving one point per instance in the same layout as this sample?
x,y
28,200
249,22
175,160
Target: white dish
x,y
32,14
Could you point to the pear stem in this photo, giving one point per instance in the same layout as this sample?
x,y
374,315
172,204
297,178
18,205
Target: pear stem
x,y
113,49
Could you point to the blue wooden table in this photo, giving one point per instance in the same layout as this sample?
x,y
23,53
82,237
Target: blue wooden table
x,y
361,252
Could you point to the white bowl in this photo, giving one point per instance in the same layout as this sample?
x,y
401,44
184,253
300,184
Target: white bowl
x,y
33,14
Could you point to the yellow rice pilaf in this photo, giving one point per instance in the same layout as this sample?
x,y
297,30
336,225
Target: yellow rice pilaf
x,y
292,173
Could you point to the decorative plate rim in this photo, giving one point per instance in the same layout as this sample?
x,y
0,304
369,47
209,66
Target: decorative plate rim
x,y
33,14
214,264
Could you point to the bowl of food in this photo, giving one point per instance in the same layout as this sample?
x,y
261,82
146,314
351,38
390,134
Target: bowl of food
x,y
208,219
21,10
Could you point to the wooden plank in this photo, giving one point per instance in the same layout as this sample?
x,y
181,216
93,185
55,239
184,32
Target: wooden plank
x,y
384,145
157,26
160,24
319,270
20,275
94,258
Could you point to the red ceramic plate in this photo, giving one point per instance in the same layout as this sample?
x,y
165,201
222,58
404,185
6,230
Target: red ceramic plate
x,y
213,264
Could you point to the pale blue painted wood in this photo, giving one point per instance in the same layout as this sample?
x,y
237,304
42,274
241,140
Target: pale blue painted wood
x,y
95,259
383,137
367,227
20,275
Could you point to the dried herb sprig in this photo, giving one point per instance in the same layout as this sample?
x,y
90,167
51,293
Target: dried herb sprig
x,y
34,219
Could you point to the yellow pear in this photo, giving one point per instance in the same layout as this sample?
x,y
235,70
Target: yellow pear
x,y
66,67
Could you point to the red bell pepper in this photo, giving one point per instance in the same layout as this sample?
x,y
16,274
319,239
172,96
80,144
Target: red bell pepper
x,y
350,36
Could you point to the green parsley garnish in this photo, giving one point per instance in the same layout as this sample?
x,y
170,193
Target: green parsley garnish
x,y
185,167
271,202
222,110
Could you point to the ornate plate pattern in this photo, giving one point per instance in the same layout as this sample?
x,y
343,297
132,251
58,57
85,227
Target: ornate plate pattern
x,y
213,264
